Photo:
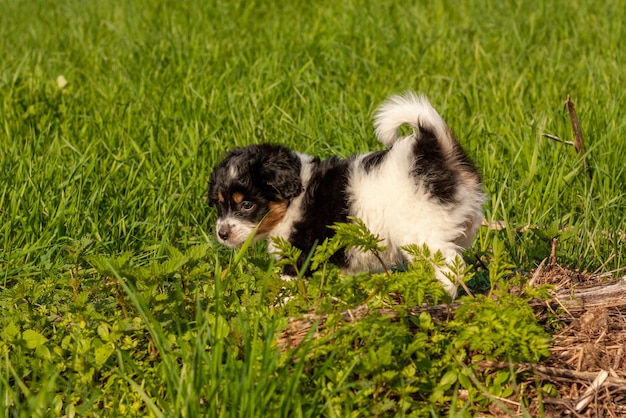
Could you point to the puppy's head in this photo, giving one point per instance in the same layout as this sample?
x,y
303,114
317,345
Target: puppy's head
x,y
253,186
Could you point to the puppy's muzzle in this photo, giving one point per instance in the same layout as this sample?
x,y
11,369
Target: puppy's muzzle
x,y
224,232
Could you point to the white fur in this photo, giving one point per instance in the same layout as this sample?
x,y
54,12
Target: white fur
x,y
411,216
233,172
391,206
240,230
409,109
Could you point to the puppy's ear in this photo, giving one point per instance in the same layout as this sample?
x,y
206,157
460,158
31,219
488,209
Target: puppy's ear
x,y
280,171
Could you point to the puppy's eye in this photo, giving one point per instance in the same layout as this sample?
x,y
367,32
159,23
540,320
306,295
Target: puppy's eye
x,y
246,206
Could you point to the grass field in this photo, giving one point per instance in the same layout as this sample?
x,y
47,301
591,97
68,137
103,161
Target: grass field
x,y
115,298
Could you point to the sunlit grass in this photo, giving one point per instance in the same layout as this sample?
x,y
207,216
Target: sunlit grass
x,y
157,91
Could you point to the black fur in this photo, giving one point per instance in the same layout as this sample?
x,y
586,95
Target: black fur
x,y
325,202
373,160
279,169
272,171
465,162
432,169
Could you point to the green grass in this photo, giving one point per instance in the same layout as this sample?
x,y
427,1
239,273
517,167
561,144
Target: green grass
x,y
115,297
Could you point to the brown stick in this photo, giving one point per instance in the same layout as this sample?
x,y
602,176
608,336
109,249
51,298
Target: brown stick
x,y
579,143
557,139
553,372
552,258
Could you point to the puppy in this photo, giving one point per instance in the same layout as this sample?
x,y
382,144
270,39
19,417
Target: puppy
x,y
422,189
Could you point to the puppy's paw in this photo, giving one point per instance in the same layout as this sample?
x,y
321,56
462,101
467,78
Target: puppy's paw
x,y
448,280
287,277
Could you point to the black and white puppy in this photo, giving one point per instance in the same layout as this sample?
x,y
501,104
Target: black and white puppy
x,y
423,189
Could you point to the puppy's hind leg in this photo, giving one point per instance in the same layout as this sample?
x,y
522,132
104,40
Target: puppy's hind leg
x,y
447,273
449,280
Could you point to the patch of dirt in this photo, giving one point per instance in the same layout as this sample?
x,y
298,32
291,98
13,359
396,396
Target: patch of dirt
x,y
587,363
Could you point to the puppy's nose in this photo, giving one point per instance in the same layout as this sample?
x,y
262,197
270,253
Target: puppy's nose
x,y
224,232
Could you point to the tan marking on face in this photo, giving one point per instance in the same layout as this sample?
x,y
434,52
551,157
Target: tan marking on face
x,y
273,217
237,197
220,197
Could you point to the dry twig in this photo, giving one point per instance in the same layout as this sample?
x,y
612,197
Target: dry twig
x,y
579,144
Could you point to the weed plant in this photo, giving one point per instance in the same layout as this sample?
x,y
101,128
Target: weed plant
x,y
115,298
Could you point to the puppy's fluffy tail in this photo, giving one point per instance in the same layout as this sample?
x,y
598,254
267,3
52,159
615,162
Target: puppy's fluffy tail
x,y
413,110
